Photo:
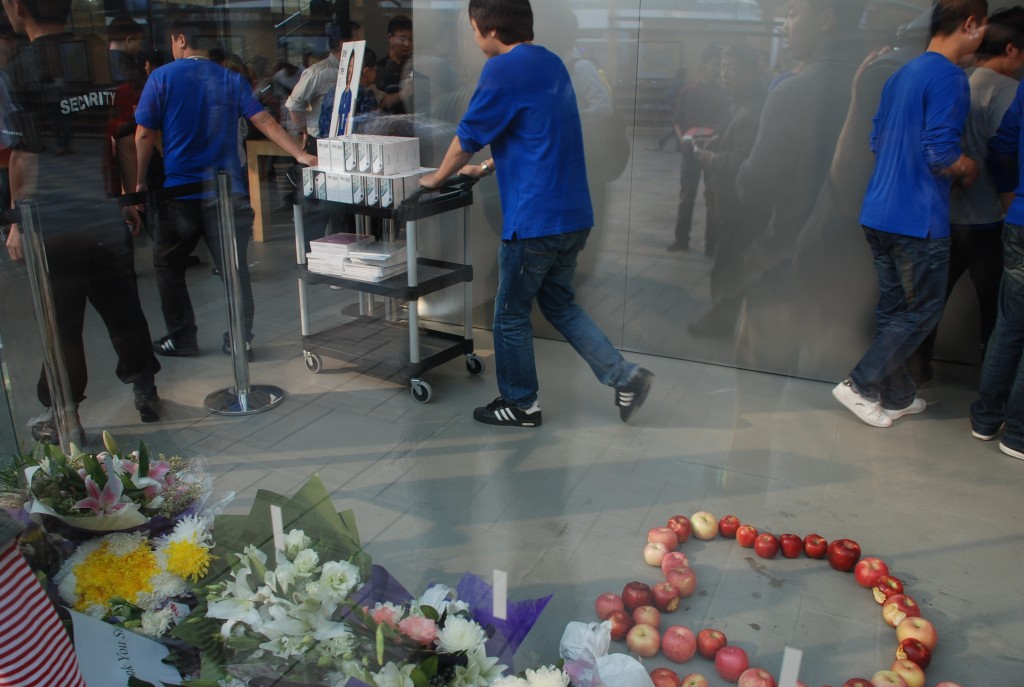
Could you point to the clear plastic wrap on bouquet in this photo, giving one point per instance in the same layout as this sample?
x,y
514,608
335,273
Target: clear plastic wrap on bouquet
x,y
584,647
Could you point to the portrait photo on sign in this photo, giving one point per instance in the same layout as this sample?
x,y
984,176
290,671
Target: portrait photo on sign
x,y
347,89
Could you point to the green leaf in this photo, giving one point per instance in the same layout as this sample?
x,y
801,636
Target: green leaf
x,y
380,645
429,612
430,665
143,460
136,682
93,469
419,678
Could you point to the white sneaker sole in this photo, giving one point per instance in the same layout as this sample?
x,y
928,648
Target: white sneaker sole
x,y
1011,451
913,409
869,413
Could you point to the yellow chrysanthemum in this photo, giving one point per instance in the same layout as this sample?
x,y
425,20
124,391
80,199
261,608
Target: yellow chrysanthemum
x,y
187,559
103,575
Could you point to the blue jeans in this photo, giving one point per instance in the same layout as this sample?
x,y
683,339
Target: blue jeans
x,y
912,274
1001,393
543,269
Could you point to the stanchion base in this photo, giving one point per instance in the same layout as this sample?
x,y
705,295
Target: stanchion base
x,y
261,397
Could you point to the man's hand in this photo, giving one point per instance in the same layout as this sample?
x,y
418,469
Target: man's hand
x,y
14,248
307,160
132,218
430,180
475,171
971,172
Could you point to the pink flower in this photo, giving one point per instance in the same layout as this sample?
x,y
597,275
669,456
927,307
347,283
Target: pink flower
x,y
105,501
383,616
420,630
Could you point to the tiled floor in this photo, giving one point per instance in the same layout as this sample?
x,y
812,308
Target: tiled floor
x,y
564,508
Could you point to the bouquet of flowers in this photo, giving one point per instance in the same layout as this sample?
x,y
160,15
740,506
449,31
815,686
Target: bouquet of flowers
x,y
113,490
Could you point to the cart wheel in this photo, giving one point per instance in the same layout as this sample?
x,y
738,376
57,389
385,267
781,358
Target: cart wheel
x,y
474,364
314,363
421,391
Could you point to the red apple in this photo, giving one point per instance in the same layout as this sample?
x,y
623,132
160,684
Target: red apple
x,y
705,525
647,615
709,641
746,535
674,559
666,535
911,673
868,571
654,553
666,596
728,525
886,586
635,594
897,607
643,640
887,678
679,644
680,524
915,650
917,628
730,662
766,545
621,623
792,545
694,680
949,684
857,682
683,579
755,677
664,677
843,554
815,546
606,603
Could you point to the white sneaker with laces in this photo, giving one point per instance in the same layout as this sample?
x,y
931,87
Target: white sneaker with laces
x,y
870,412
916,406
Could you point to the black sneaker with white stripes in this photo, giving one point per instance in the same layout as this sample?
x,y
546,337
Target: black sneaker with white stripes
x,y
168,346
631,396
498,412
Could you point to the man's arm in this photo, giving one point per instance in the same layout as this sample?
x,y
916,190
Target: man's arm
x,y
269,127
145,143
454,160
24,171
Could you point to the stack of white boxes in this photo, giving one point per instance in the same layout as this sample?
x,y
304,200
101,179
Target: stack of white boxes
x,y
378,171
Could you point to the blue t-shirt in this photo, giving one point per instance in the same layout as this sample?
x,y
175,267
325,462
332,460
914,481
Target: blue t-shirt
x,y
195,104
1006,156
916,135
524,107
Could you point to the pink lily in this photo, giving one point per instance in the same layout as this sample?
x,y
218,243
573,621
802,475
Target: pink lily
x,y
105,501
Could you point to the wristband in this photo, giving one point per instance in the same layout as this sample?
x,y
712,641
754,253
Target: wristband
x,y
487,169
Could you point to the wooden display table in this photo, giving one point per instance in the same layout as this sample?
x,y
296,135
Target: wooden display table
x,y
253,151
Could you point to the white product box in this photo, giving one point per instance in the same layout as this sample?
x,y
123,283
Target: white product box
x,y
358,190
323,153
362,155
386,191
307,181
345,187
337,155
372,190
351,155
320,184
334,186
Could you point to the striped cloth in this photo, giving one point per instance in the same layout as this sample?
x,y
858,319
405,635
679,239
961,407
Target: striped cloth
x,y
35,651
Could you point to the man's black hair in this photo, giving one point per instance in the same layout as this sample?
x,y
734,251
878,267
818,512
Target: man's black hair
x,y
195,25
399,23
369,58
511,20
1005,27
949,15
123,26
48,11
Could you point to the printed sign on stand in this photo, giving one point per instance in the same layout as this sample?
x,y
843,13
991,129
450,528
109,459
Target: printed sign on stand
x,y
108,655
346,91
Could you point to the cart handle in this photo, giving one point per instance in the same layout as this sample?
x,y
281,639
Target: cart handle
x,y
453,185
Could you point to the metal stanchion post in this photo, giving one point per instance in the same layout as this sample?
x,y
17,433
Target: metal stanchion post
x,y
46,319
243,398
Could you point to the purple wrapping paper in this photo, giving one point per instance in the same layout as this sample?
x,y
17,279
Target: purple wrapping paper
x,y
352,682
380,588
511,631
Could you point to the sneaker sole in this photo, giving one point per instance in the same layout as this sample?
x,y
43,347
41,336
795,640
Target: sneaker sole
x,y
983,437
1011,451
858,408
897,414
487,417
638,400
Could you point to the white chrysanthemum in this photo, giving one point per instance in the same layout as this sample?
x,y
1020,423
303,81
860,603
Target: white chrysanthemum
x,y
393,676
68,587
306,561
193,529
295,541
337,580
460,634
510,681
156,623
98,611
165,585
123,543
547,677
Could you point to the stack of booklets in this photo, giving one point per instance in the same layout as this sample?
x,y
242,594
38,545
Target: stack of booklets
x,y
375,261
327,255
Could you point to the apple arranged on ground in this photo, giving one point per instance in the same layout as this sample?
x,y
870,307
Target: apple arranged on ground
x,y
730,662
679,644
792,545
683,579
886,586
815,546
916,627
705,525
636,594
913,649
680,524
666,596
911,673
665,535
746,535
664,677
654,553
888,678
755,677
606,603
643,640
766,545
857,682
694,680
647,615
728,525
843,554
897,607
869,571
621,623
709,641
674,559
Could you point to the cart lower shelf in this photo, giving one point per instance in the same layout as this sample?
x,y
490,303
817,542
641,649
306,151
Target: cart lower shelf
x,y
378,348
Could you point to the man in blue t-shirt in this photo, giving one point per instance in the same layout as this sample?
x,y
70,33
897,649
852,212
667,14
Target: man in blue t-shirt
x,y
195,105
524,108
905,214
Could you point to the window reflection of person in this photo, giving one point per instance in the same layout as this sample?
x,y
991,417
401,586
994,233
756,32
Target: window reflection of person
x,y
345,106
395,69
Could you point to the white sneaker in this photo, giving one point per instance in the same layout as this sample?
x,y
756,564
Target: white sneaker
x,y
916,406
1010,451
869,411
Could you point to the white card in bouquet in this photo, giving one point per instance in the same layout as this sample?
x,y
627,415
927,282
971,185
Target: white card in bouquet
x,y
108,655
